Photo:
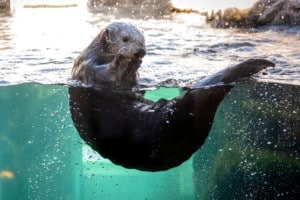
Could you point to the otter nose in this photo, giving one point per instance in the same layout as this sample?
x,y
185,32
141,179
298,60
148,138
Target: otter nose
x,y
140,53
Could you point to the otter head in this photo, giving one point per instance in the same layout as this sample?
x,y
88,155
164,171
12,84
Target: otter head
x,y
112,58
121,38
124,45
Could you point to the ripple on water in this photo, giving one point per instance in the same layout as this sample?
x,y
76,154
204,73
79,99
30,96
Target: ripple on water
x,y
233,45
178,48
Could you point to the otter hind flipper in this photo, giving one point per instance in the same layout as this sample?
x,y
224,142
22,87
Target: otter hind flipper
x,y
233,74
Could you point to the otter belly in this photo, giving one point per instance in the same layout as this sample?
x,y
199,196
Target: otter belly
x,y
140,134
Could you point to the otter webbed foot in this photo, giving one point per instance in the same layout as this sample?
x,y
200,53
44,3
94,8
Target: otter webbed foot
x,y
233,74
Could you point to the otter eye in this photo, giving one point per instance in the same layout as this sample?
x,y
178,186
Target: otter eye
x,y
125,39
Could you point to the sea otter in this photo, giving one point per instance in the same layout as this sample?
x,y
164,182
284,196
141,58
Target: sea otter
x,y
113,57
112,116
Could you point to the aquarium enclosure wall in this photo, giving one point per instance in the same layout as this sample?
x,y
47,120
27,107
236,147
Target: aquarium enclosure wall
x,y
253,148
252,151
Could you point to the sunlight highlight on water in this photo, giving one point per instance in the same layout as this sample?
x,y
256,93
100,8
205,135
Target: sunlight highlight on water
x,y
40,45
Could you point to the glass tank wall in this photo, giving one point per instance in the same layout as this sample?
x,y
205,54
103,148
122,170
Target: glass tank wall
x,y
252,151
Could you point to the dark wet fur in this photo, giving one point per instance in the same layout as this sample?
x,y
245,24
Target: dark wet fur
x,y
140,134
136,133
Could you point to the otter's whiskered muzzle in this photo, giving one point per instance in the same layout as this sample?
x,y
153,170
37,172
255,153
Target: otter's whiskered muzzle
x,y
133,51
140,53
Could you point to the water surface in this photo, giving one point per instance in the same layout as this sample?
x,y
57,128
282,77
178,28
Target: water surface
x,y
39,45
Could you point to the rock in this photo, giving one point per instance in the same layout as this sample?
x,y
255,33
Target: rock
x,y
4,5
133,7
263,12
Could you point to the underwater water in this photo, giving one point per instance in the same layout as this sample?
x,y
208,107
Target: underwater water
x,y
42,149
252,151
254,146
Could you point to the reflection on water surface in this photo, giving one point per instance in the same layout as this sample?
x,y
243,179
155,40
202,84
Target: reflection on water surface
x,y
39,45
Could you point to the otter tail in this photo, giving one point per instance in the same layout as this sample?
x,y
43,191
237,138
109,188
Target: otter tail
x,y
233,74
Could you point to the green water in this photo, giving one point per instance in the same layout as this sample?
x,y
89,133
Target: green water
x,y
163,92
253,150
255,135
40,146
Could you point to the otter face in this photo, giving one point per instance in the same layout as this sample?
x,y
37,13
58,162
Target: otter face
x,y
124,45
113,58
126,40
